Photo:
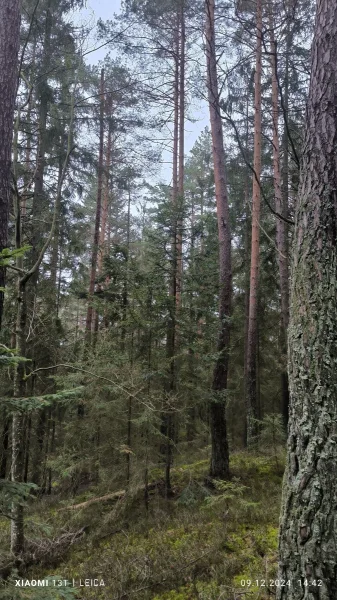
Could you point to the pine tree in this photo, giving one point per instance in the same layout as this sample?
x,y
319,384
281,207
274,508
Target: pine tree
x,y
219,459
307,549
9,48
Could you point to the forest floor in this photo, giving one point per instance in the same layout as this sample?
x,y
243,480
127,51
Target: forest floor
x,y
200,544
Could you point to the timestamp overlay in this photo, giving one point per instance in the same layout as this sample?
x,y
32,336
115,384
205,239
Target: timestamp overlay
x,y
254,584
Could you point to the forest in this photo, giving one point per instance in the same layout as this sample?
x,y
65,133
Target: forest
x,y
168,322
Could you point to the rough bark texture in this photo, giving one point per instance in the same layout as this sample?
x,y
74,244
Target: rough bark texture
x,y
220,458
94,254
308,549
9,48
251,370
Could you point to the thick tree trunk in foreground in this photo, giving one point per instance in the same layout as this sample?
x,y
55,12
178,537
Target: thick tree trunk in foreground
x,y
220,458
308,550
9,48
251,367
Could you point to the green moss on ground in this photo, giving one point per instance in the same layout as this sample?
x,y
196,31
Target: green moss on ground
x,y
201,544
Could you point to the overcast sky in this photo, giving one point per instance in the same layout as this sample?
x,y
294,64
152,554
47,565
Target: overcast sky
x,y
105,9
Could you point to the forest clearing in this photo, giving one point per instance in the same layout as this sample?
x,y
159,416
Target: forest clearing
x,y
168,286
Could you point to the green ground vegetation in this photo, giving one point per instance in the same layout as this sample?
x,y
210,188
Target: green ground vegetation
x,y
203,543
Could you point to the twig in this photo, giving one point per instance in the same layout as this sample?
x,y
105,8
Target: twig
x,y
289,221
84,371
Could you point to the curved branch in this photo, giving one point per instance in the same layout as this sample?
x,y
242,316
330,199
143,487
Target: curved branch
x,y
278,215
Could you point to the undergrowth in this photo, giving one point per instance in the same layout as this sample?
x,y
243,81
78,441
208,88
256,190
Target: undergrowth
x,y
202,544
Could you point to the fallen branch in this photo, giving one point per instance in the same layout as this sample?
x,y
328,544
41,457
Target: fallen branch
x,y
113,496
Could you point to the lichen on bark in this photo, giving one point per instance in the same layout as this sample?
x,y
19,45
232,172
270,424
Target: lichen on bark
x,y
308,538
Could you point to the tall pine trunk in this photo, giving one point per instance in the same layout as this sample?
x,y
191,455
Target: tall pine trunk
x,y
167,427
281,226
219,466
181,162
9,48
44,100
308,553
251,366
17,467
94,252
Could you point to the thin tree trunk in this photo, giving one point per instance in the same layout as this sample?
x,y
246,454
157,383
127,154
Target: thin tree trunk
x,y
251,374
248,228
38,461
52,449
54,261
181,161
285,199
42,141
191,413
281,226
167,427
149,368
307,542
27,449
9,48
125,298
17,469
105,205
125,309
94,254
219,466
5,441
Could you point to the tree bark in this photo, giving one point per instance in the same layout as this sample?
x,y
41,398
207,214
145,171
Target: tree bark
x,y
219,466
281,226
5,440
307,545
9,49
285,185
251,367
106,195
167,425
94,254
17,470
44,99
181,161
